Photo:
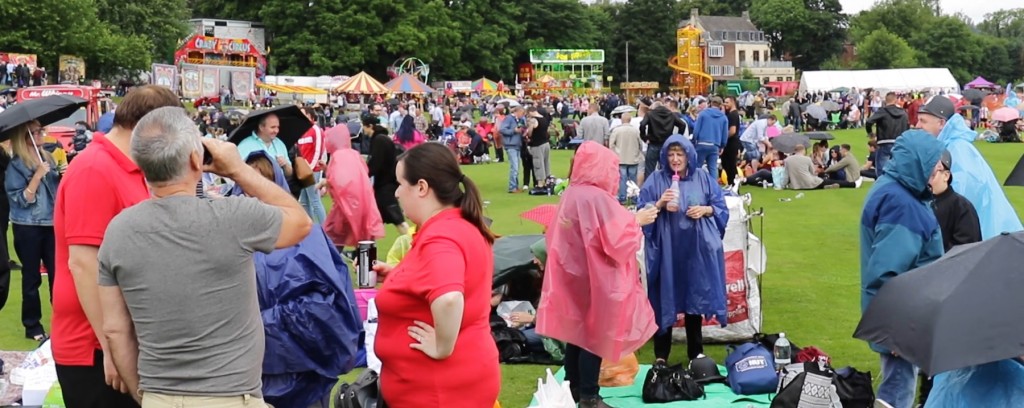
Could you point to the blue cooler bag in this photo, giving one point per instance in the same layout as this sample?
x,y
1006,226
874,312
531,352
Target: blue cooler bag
x,y
751,370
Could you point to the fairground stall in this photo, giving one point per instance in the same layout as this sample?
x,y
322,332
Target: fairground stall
x,y
563,71
208,64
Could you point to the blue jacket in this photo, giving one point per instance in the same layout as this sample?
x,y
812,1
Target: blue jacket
x,y
510,131
898,230
995,384
39,211
973,179
310,319
685,257
712,127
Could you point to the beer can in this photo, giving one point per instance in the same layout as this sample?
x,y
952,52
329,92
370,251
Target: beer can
x,y
366,255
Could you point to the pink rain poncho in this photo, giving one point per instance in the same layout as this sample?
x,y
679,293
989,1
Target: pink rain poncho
x,y
592,296
354,216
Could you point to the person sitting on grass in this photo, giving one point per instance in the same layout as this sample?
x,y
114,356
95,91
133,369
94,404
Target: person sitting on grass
x,y
762,175
802,175
868,169
844,165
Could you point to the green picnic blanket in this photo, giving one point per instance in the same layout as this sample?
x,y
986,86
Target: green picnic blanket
x,y
715,395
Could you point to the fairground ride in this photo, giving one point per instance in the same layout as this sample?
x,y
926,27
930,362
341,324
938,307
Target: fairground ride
x,y
688,64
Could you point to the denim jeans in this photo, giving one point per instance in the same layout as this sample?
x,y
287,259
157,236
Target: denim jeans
x,y
512,152
651,159
309,198
882,156
34,244
708,155
899,381
582,370
627,172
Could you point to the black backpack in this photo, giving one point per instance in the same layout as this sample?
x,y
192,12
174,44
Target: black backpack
x,y
364,392
511,343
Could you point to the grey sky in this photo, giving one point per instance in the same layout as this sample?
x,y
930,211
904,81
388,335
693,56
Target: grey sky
x,y
975,9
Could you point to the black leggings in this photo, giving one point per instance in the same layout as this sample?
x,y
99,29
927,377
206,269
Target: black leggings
x,y
529,179
582,370
694,339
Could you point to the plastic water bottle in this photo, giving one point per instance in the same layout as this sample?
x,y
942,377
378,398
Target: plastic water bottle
x,y
783,352
673,205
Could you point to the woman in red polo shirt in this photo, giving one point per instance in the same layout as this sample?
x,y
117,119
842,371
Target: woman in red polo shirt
x,y
433,333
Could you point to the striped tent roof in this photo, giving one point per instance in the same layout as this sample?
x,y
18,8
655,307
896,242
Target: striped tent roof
x,y
408,84
362,83
485,85
292,89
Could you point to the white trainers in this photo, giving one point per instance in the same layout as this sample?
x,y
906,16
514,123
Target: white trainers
x,y
860,180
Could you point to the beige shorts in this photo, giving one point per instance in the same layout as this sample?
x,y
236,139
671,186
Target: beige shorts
x,y
155,400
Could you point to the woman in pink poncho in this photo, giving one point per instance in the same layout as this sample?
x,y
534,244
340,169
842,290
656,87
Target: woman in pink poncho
x,y
592,298
354,216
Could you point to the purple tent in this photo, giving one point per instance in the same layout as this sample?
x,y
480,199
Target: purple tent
x,y
980,82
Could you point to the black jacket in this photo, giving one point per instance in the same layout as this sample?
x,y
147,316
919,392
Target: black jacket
x,y
889,122
957,219
658,124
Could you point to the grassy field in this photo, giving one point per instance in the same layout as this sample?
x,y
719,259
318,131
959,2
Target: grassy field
x,y
810,290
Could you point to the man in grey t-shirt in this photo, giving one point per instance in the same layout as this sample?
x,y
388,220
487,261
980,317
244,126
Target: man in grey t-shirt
x,y
177,281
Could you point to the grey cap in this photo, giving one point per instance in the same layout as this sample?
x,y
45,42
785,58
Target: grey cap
x,y
940,107
946,159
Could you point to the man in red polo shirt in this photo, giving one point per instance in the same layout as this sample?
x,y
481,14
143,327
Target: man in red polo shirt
x,y
102,181
311,147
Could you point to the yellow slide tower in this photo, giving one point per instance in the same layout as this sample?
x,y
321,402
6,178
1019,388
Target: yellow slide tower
x,y
688,63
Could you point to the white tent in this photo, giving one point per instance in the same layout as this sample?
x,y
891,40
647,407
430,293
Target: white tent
x,y
909,79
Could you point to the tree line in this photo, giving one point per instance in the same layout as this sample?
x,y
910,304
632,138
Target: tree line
x,y
471,38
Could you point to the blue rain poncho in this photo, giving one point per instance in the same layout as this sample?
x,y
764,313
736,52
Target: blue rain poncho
x,y
996,384
973,179
685,257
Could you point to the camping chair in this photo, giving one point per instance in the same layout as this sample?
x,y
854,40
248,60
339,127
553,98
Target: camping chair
x,y
836,117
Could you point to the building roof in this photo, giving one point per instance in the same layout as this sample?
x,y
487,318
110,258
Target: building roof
x,y
721,23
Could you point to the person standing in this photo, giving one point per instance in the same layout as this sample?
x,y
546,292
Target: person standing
x,y
311,147
710,136
381,167
190,334
656,127
898,233
591,297
433,333
265,138
540,148
888,123
755,136
5,221
625,142
691,285
31,183
733,146
595,127
99,184
511,130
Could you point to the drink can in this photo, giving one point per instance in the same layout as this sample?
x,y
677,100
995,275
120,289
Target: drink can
x,y
366,255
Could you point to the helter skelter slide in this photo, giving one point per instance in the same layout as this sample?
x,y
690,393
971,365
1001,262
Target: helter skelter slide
x,y
688,63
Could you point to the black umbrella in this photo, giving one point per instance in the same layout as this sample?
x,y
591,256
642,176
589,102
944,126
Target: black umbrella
x,y
975,95
512,257
1016,177
817,135
46,110
293,124
956,312
787,142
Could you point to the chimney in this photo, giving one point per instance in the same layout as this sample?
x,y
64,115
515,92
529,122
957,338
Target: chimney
x,y
693,16
746,15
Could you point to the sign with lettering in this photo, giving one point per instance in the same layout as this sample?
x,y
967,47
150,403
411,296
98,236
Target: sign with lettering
x,y
222,45
548,56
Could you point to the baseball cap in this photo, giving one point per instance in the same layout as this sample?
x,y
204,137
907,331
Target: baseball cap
x,y
939,106
946,159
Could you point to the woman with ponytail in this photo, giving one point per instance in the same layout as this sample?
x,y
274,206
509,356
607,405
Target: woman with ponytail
x,y
433,334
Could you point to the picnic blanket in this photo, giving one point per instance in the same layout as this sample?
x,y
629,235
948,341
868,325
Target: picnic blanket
x,y
716,395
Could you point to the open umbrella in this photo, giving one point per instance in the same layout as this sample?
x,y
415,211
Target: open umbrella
x,y
45,110
542,214
841,89
293,124
1016,176
817,112
787,142
817,135
509,102
623,109
512,256
955,312
830,106
1005,114
975,95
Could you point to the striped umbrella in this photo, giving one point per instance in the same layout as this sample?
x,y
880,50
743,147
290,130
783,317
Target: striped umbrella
x,y
362,83
485,85
408,84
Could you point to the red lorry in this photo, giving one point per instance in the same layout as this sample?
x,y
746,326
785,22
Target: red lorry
x,y
64,130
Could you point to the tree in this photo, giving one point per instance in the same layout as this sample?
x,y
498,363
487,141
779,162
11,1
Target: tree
x,y
1004,24
161,21
485,27
246,10
946,42
899,17
651,36
884,50
810,31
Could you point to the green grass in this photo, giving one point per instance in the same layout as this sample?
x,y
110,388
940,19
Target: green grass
x,y
810,290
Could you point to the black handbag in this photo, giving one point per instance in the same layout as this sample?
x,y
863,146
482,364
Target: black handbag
x,y
667,384
364,392
854,388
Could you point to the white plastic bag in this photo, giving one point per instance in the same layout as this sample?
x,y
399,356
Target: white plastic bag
x,y
370,326
551,394
36,375
505,309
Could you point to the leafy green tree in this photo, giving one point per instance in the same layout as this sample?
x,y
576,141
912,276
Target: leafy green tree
x,y
246,10
163,22
899,17
810,31
883,50
947,42
485,27
1004,24
651,33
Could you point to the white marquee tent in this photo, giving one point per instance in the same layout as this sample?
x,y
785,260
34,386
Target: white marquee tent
x,y
909,79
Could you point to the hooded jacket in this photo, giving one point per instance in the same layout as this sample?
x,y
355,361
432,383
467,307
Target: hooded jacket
x,y
685,257
898,230
658,125
592,297
973,178
712,127
889,123
307,304
957,219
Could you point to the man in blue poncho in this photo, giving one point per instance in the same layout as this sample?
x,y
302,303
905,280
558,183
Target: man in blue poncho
x,y
310,318
898,233
972,177
684,251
